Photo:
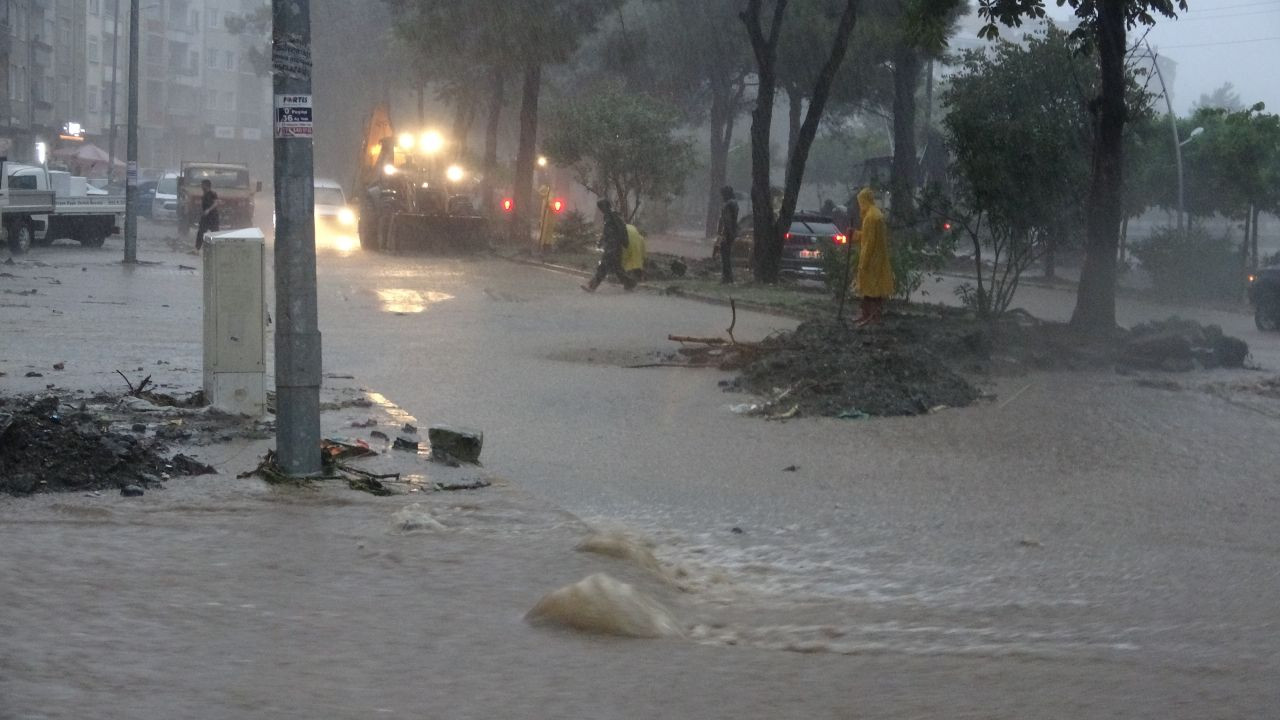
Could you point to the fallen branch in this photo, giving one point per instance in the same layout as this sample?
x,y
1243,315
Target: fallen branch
x,y
733,306
697,340
135,391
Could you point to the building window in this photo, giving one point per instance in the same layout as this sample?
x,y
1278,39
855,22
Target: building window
x,y
91,49
229,101
64,32
107,92
213,58
94,7
195,62
93,98
214,18
211,100
228,60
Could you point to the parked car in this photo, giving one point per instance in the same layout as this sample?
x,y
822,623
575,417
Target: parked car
x,y
804,246
1264,293
164,202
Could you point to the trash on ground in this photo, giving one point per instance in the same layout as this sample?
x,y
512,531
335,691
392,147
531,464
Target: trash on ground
x,y
405,444
461,444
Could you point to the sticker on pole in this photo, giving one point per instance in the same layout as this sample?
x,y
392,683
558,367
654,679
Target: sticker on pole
x,y
294,117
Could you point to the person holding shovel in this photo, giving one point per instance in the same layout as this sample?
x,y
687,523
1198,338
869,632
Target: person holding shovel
x,y
875,268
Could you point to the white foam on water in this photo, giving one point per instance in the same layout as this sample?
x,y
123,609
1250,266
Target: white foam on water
x,y
600,604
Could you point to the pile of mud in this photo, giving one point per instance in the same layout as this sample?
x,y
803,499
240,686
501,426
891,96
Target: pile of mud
x,y
827,369
49,446
925,358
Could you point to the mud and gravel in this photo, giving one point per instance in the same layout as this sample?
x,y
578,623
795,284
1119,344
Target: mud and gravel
x,y
928,357
56,444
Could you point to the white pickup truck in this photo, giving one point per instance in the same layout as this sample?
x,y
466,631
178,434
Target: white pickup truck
x,y
38,206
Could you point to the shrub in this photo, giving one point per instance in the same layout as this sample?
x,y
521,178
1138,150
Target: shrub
x,y
1192,265
575,233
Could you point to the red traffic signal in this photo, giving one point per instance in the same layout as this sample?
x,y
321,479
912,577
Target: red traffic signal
x,y
508,204
557,206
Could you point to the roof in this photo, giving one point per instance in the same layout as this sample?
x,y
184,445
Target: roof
x,y
214,165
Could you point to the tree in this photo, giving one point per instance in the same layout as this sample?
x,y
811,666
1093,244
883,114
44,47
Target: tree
x,y
1103,26
690,54
519,37
622,147
919,30
1017,124
255,24
767,250
1224,97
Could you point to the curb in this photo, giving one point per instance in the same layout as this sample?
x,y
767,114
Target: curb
x,y
665,291
1068,286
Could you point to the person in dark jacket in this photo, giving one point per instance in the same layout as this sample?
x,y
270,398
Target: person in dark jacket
x,y
726,233
209,205
613,241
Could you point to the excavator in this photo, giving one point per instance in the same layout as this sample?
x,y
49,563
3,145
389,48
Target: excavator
x,y
412,198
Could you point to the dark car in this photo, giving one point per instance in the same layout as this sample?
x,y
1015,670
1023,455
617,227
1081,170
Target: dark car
x,y
1264,293
808,241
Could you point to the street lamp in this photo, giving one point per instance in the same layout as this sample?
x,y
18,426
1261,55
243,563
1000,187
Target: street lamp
x,y
542,161
1178,154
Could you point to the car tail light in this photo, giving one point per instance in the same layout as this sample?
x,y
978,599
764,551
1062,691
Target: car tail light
x,y
786,236
508,205
840,239
557,206
946,226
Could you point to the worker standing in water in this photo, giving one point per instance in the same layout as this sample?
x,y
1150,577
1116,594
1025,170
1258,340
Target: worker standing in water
x,y
875,267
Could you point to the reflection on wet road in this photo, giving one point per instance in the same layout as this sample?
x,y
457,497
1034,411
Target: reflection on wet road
x,y
400,300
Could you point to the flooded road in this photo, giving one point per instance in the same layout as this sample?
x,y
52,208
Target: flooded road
x,y
1082,546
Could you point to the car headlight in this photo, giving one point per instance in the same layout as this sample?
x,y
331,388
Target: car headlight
x,y
346,217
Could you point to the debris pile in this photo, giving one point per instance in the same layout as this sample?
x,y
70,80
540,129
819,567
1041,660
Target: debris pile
x,y
927,358
826,369
50,446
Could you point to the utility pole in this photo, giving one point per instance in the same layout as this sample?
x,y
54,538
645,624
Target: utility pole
x,y
297,327
115,90
131,173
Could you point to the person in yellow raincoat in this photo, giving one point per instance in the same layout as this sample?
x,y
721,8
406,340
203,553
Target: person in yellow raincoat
x,y
633,253
875,270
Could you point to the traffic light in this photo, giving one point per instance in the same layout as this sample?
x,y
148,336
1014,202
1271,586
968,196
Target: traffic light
x,y
557,206
508,205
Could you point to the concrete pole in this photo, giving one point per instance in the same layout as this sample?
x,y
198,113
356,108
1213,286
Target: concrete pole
x,y
297,327
115,91
1173,122
131,174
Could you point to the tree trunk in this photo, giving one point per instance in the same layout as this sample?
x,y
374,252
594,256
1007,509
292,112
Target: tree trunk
x,y
1051,256
902,174
767,244
522,186
494,123
721,133
1254,241
795,110
1095,310
809,131
464,113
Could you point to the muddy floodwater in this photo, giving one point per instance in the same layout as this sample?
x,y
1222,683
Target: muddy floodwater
x,y
1081,546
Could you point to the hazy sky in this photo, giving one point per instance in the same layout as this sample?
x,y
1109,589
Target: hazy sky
x,y
1219,41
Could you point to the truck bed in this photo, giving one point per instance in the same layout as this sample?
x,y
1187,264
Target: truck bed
x,y
26,201
89,205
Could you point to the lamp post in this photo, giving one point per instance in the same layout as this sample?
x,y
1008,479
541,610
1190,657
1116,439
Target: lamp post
x,y
1178,154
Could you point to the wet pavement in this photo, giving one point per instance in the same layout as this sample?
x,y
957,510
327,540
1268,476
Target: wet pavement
x,y
1082,546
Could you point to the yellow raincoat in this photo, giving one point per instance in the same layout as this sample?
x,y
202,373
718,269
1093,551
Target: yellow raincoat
x,y
633,254
875,272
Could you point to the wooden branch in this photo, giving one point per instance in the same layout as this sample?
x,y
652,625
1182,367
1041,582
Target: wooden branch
x,y
733,306
698,340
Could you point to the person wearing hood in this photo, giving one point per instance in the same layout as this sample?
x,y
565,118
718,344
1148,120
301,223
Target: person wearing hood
x,y
875,270
613,241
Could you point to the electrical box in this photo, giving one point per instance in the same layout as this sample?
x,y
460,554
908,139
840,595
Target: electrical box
x,y
235,321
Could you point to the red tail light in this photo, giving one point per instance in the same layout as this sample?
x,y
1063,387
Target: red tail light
x,y
946,226
786,236
508,205
557,206
840,239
